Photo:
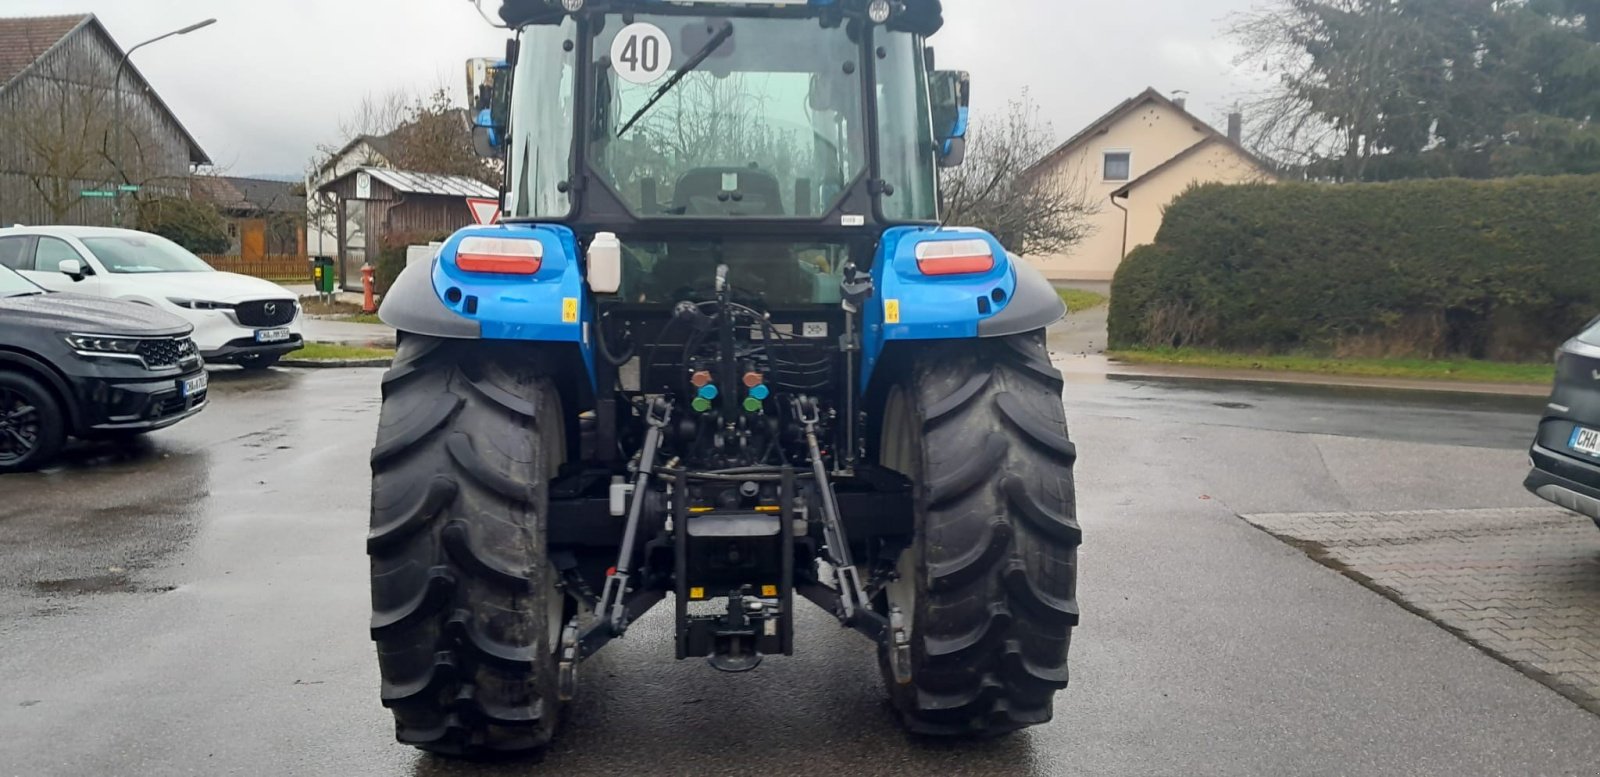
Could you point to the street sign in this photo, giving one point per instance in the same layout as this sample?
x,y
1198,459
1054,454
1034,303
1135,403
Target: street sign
x,y
98,194
128,188
484,212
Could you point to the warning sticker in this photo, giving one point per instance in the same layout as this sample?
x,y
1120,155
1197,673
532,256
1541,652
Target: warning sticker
x,y
569,310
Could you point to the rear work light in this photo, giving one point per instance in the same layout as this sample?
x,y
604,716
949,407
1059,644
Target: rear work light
x,y
955,257
501,255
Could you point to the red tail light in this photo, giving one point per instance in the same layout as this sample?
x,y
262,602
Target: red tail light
x,y
500,255
955,257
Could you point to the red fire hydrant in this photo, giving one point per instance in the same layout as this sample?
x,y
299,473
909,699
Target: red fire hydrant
x,y
368,286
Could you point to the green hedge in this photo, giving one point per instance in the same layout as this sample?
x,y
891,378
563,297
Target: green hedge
x,y
1503,269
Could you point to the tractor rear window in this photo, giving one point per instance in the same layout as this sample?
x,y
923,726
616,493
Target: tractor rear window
x,y
727,118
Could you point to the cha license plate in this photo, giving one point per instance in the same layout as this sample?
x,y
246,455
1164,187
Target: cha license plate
x,y
1585,441
194,385
272,335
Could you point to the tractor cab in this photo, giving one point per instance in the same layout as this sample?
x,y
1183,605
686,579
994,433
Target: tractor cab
x,y
794,133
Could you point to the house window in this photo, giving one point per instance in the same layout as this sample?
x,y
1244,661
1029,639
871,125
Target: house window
x,y
1119,165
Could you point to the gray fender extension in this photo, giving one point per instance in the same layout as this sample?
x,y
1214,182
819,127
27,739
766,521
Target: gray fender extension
x,y
1034,305
412,306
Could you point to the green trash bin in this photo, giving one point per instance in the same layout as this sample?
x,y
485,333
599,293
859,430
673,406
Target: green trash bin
x,y
322,275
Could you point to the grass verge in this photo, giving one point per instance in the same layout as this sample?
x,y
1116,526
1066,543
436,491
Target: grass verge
x,y
1080,300
336,352
1423,369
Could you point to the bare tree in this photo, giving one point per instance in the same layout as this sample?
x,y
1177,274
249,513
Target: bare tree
x,y
1029,211
1358,79
436,137
377,114
61,127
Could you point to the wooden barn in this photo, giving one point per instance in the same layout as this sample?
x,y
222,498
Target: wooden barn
x,y
61,97
378,207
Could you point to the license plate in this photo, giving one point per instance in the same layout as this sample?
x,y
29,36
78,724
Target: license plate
x,y
194,385
272,335
1585,441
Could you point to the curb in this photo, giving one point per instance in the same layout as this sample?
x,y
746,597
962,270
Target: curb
x,y
1438,386
325,364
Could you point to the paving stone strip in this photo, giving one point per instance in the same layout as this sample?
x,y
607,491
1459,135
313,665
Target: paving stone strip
x,y
1522,584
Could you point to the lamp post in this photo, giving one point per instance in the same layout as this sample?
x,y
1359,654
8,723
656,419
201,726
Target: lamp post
x,y
122,65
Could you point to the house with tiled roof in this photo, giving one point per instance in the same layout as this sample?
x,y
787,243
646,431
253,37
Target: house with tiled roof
x,y
265,217
1131,163
81,129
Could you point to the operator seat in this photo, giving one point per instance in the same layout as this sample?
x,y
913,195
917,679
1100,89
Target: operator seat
x,y
728,191
769,269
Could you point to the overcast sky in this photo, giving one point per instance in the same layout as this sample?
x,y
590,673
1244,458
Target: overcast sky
x,y
267,83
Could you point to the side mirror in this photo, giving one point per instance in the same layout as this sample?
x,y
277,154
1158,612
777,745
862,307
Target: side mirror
x,y
951,92
73,269
954,152
492,108
485,141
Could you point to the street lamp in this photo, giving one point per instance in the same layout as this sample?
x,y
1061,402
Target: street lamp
x,y
121,66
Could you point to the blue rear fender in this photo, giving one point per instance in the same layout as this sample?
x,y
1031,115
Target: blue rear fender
x,y
1010,298
549,306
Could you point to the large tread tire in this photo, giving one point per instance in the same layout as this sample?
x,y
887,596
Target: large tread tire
x,y
463,596
992,571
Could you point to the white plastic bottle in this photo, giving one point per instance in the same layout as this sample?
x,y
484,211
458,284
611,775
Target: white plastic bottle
x,y
605,263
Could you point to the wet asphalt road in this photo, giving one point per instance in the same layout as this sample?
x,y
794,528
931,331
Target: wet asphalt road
x,y
198,605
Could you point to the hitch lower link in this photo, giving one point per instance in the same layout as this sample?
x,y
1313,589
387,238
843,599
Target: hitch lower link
x,y
611,611
853,605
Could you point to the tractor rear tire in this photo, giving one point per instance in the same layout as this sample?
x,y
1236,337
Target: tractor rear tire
x,y
466,608
989,583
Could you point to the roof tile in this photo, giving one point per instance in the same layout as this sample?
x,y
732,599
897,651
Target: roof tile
x,y
24,39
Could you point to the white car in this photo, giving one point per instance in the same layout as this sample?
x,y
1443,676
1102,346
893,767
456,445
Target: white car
x,y
237,319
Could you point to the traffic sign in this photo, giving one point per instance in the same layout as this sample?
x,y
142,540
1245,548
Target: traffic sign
x,y
484,212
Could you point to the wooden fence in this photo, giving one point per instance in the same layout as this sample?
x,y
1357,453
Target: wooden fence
x,y
272,268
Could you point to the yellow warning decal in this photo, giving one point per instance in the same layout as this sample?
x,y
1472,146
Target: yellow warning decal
x,y
769,591
891,311
697,593
569,310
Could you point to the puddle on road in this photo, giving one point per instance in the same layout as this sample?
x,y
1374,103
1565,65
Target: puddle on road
x,y
236,380
115,583
94,524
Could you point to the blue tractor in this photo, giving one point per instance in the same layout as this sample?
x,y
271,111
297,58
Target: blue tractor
x,y
721,350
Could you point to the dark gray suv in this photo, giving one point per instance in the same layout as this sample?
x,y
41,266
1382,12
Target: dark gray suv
x,y
81,366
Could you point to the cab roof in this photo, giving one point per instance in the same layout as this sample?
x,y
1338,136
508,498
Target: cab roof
x,y
923,17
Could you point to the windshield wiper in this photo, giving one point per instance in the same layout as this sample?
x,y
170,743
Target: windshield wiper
x,y
695,61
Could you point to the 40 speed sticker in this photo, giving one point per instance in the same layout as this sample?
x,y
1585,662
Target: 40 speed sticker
x,y
641,53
